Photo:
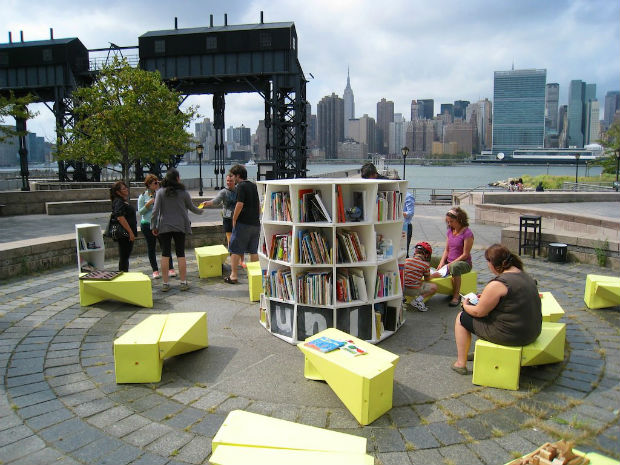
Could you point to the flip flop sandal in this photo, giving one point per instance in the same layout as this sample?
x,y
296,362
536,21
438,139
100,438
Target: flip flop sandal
x,y
454,303
230,281
460,370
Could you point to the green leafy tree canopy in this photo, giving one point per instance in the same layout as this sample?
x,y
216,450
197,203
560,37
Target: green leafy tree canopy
x,y
127,115
14,107
611,142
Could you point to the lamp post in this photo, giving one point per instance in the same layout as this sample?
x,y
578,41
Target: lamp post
x,y
577,155
405,152
199,151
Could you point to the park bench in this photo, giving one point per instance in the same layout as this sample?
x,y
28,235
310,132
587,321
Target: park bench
x,y
499,366
139,353
210,260
364,383
246,437
441,199
468,283
129,287
602,291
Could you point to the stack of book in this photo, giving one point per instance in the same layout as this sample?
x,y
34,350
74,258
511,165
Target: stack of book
x,y
281,206
315,288
350,248
389,205
279,284
280,247
311,207
312,248
386,283
350,285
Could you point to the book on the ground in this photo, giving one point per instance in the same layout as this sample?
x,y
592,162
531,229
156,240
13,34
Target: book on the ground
x,y
324,344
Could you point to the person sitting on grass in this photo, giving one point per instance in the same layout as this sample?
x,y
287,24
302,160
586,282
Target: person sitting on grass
x,y
417,271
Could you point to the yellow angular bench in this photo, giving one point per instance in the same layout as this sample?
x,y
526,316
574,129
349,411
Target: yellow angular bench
x,y
131,288
364,384
246,437
255,280
550,308
139,353
210,260
602,291
468,283
500,366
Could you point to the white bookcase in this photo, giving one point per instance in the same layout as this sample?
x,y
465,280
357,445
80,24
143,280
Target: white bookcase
x,y
90,246
372,307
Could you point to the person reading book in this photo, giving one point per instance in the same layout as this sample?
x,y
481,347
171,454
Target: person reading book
x,y
417,271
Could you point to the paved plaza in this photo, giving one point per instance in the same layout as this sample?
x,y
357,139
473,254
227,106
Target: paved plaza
x,y
60,403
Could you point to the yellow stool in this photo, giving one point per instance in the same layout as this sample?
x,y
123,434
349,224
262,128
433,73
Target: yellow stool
x,y
255,280
210,260
468,283
132,288
551,309
139,353
364,383
246,437
602,291
499,366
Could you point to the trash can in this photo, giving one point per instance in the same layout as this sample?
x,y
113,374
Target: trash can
x,y
557,252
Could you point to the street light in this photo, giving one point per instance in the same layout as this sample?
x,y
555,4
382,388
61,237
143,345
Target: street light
x,y
405,152
199,151
577,155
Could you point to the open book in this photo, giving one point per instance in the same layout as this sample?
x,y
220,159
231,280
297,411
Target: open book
x,y
443,271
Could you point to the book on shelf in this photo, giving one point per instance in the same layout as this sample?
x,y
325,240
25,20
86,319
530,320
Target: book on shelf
x,y
386,283
312,247
280,206
279,284
314,288
322,211
280,247
324,344
82,243
350,249
340,205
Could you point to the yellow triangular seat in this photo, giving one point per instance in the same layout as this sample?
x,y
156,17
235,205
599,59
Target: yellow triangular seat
x,y
238,455
210,260
547,348
183,332
550,308
602,291
255,280
129,287
469,283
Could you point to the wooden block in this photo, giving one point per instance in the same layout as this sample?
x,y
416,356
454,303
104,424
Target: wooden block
x,y
242,428
364,383
132,288
182,333
602,291
547,348
136,353
550,308
255,280
210,260
496,365
238,455
469,283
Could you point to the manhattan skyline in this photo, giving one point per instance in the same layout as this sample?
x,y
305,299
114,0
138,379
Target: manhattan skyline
x,y
399,50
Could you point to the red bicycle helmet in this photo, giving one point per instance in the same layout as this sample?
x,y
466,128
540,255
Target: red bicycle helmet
x,y
425,247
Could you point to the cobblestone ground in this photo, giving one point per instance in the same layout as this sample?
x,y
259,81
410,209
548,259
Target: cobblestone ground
x,y
60,403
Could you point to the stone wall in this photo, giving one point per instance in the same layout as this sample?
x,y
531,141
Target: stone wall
x,y
512,198
35,255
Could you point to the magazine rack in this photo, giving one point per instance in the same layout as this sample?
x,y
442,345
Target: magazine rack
x,y
89,246
329,251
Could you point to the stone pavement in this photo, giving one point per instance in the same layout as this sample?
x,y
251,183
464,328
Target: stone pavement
x,y
60,404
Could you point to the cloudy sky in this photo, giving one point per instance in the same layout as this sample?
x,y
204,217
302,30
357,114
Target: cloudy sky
x,y
398,49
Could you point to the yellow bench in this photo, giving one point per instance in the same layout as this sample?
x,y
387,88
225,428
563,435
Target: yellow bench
x,y
550,308
468,283
602,291
500,366
210,260
246,437
255,280
139,353
364,383
131,288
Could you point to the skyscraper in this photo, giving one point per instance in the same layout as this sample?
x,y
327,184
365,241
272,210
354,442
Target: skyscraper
x,y
519,109
460,109
581,109
480,113
552,99
330,119
612,104
385,116
349,106
428,108
447,112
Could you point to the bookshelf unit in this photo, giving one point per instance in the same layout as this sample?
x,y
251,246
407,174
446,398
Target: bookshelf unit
x,y
86,235
341,272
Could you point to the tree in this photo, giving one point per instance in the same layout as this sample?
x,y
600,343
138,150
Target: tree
x,y
14,107
127,115
611,142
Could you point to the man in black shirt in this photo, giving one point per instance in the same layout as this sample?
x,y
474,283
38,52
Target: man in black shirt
x,y
245,220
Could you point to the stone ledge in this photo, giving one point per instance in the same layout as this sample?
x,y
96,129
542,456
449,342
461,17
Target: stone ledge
x,y
44,253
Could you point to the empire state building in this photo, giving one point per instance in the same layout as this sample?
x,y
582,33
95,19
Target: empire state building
x,y
349,106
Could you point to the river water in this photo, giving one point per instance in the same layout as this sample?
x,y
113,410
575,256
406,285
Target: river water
x,y
431,177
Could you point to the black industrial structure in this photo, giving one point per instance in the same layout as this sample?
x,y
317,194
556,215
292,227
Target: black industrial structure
x,y
206,60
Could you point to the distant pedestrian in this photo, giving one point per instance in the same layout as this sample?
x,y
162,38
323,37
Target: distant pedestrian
x,y
369,171
125,214
512,186
145,208
246,222
520,185
170,221
539,187
408,209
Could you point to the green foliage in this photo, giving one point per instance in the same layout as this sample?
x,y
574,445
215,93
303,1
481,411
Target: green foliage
x,y
611,142
128,114
601,253
14,107
555,182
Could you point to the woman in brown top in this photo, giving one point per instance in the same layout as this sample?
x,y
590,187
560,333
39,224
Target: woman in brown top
x,y
508,311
